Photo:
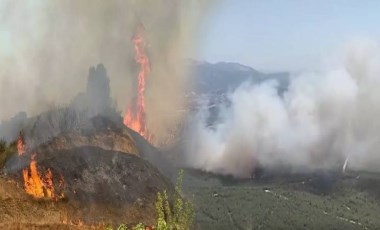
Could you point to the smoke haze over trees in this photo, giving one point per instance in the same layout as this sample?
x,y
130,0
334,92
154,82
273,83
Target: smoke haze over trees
x,y
321,120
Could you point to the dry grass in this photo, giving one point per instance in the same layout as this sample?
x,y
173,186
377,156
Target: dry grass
x,y
19,211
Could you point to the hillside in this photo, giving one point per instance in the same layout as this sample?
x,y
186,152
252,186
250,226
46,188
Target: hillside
x,y
98,176
224,76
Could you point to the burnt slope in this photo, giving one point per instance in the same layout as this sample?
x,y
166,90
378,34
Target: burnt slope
x,y
99,132
108,139
154,156
104,186
96,175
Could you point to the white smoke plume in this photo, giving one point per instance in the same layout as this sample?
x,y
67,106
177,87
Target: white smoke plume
x,y
320,120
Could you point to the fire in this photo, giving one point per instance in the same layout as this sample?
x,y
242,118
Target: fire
x,y
40,186
20,145
33,184
135,117
48,181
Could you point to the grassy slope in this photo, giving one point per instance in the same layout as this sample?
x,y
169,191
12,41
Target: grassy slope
x,y
20,211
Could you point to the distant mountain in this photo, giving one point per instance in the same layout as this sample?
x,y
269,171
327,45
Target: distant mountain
x,y
224,76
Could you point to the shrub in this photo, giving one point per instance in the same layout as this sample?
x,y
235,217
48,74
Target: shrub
x,y
3,146
179,216
6,151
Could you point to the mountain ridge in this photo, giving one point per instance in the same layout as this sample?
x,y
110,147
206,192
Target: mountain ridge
x,y
225,76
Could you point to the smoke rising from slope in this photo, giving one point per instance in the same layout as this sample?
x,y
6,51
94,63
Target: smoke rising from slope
x,y
47,47
320,120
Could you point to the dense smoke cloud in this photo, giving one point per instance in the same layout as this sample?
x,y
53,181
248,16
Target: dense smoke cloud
x,y
46,48
320,120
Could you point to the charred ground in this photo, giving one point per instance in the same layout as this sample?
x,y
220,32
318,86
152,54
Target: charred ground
x,y
108,178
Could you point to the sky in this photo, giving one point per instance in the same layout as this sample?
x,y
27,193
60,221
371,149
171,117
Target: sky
x,y
279,35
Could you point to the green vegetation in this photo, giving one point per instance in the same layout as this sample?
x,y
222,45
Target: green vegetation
x,y
6,151
178,216
284,206
124,227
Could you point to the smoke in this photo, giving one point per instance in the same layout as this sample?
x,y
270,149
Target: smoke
x,y
321,119
46,48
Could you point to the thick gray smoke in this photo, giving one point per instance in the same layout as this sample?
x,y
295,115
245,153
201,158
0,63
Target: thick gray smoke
x,y
46,48
320,120
94,101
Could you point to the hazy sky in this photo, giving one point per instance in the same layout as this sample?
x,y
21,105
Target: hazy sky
x,y
291,35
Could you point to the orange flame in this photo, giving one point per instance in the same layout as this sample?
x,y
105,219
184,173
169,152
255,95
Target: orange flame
x,y
33,184
40,186
48,181
136,119
20,145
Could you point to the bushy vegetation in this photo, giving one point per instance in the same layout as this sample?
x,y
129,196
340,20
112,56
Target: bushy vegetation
x,y
6,151
124,227
176,216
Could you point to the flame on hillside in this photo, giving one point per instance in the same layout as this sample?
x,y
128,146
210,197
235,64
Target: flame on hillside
x,y
41,185
135,117
20,145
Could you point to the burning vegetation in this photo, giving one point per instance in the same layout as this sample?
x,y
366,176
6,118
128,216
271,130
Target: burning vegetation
x,y
37,184
113,174
135,117
20,145
97,166
41,185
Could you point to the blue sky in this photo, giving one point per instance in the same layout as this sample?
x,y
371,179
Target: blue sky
x,y
295,35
